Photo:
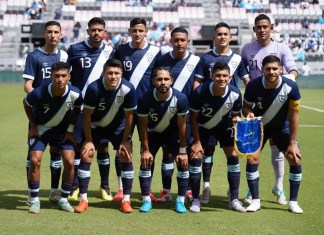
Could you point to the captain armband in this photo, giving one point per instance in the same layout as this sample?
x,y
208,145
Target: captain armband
x,y
294,104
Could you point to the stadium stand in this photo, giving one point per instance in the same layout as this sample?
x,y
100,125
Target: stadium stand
x,y
198,16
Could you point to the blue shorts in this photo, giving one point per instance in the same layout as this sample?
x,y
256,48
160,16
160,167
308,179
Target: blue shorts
x,y
39,144
169,141
103,136
78,129
280,138
223,134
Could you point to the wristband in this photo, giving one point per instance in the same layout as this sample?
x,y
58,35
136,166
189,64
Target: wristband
x,y
70,128
182,150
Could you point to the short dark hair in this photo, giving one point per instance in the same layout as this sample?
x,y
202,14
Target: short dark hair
x,y
221,65
262,17
113,63
270,59
96,20
52,22
221,25
161,68
136,21
179,30
59,65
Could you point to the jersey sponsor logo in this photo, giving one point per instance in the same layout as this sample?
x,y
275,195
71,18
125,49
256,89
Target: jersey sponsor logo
x,y
45,64
229,106
149,56
120,99
190,67
173,109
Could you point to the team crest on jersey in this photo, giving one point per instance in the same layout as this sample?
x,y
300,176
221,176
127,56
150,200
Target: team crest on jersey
x,y
69,105
229,106
190,67
234,64
120,99
149,56
31,141
281,98
106,54
173,109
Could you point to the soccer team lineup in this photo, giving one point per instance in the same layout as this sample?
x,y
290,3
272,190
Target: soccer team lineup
x,y
77,101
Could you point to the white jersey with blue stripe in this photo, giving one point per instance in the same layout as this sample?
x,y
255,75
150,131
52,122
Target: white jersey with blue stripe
x,y
109,106
138,65
234,61
271,104
86,63
162,115
38,65
182,70
215,110
52,113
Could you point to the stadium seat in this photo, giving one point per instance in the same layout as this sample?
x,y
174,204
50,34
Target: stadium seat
x,y
156,16
104,7
299,12
175,18
286,12
201,13
280,11
306,12
3,6
181,12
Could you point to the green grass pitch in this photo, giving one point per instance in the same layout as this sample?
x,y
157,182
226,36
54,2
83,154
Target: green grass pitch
x,y
105,217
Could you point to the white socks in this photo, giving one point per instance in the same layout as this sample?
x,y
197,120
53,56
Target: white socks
x,y
278,163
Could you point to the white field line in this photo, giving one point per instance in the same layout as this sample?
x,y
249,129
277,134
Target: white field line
x,y
312,108
311,126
